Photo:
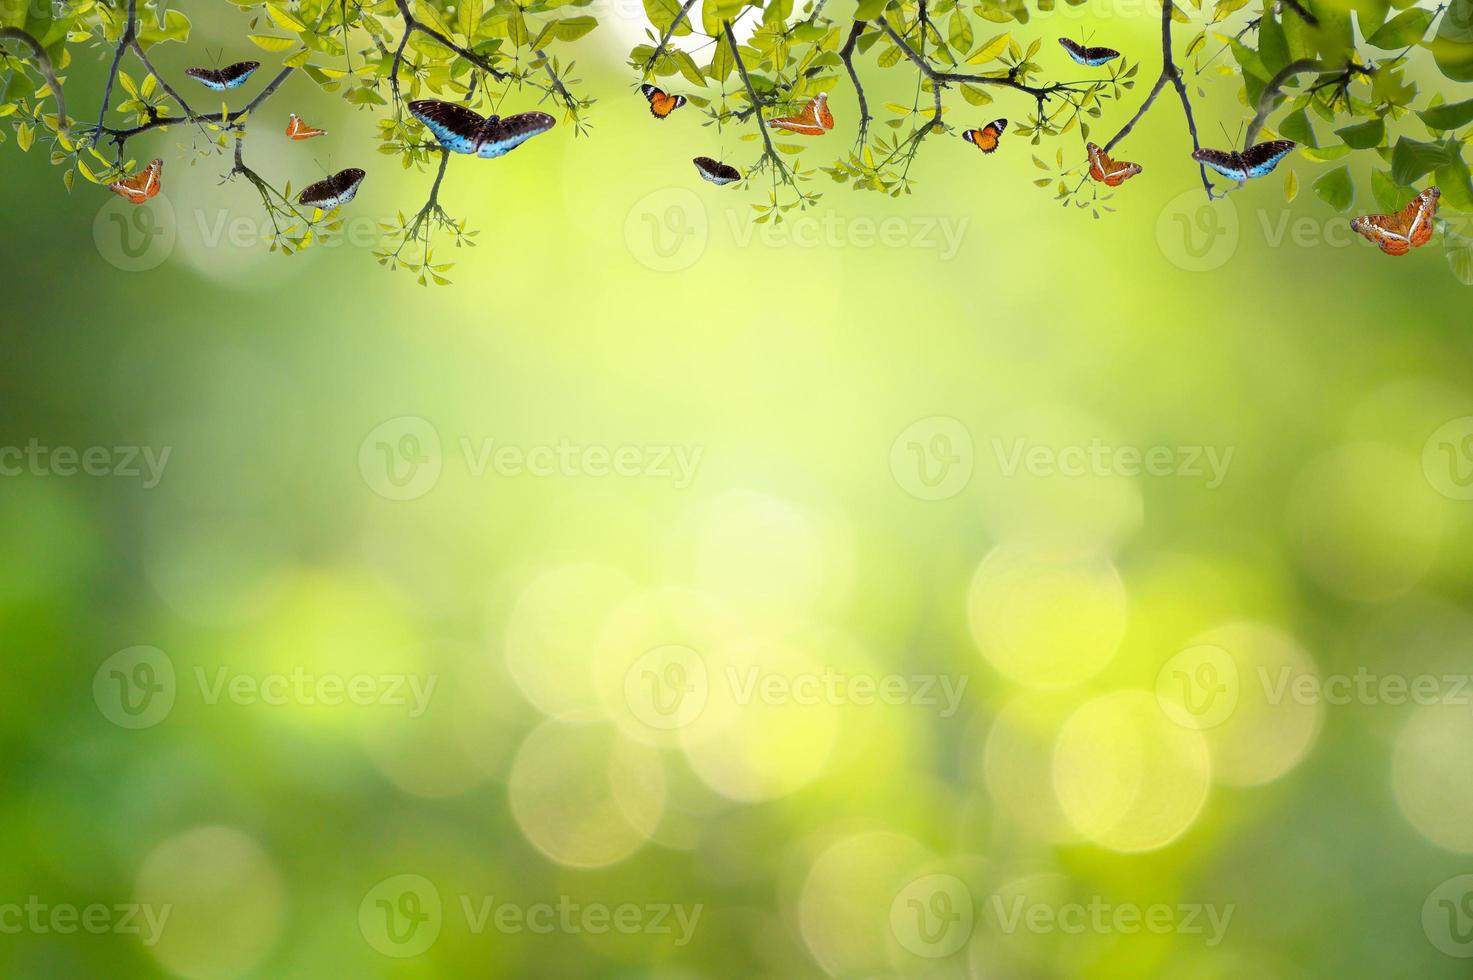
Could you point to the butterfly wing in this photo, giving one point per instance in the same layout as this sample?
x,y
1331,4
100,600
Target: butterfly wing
x,y
499,136
299,130
809,122
1093,57
220,79
142,185
333,192
1260,159
717,172
455,126
1411,227
822,112
1111,173
661,102
1226,162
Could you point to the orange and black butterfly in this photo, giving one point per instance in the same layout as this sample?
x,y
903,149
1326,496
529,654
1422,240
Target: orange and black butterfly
x,y
985,139
814,120
662,103
142,185
299,130
1111,173
1409,228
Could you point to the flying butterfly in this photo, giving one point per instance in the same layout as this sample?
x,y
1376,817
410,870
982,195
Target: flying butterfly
x,y
814,120
462,130
1409,228
1093,57
333,192
299,130
1111,173
662,103
717,172
986,138
220,79
142,185
1256,161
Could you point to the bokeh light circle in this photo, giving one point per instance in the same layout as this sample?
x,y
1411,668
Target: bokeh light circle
x,y
1432,774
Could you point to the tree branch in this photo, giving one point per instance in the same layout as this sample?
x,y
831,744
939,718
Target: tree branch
x,y
412,24
846,55
770,151
236,120
669,33
1040,93
43,65
1271,91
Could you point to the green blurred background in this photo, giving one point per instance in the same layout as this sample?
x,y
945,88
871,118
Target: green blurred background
x,y
852,391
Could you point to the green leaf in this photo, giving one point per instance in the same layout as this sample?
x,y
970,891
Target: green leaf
x,y
1363,136
1297,128
1459,252
1291,186
269,43
1453,47
1336,189
870,9
1446,117
1388,196
176,28
572,28
1412,160
990,50
285,18
662,14
1273,46
1406,28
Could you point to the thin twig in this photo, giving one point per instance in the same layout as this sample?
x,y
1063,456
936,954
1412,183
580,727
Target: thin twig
x,y
846,55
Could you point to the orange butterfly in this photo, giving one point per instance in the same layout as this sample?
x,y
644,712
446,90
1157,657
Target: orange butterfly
x,y
985,139
141,186
299,130
1409,228
1111,173
662,103
814,120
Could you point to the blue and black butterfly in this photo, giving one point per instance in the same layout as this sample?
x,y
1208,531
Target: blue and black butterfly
x,y
333,192
220,79
717,172
1093,57
1256,161
461,130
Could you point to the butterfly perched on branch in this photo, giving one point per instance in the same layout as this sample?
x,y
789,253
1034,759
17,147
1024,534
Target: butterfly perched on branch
x,y
1111,173
1256,161
717,172
462,130
142,185
1409,228
333,192
220,79
299,130
662,103
1093,57
814,120
986,138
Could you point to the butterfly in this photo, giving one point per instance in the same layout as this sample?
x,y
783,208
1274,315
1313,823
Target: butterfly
x,y
1093,57
1409,228
142,185
220,79
461,130
299,130
333,192
985,139
661,102
1256,161
1111,173
814,120
716,172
